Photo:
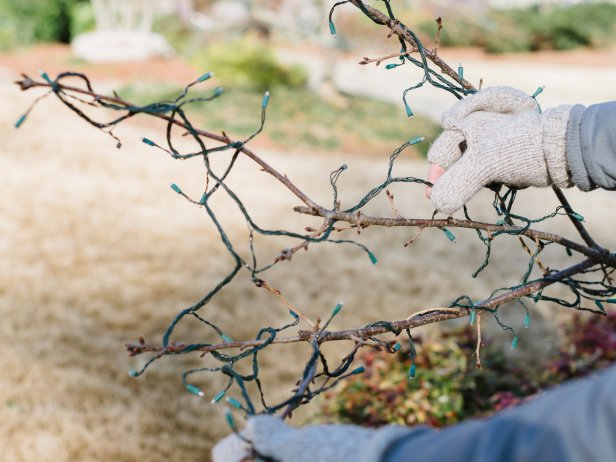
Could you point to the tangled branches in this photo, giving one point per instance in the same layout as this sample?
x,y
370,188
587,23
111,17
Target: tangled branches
x,y
589,280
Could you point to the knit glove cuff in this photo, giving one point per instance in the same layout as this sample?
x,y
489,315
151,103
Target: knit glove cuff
x,y
554,122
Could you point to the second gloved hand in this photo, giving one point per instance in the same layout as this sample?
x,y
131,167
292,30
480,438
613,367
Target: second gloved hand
x,y
508,141
275,440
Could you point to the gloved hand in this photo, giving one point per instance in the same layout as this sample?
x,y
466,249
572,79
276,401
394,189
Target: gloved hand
x,y
323,443
508,141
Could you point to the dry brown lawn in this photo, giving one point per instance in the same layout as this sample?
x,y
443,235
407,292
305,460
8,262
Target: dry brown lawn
x,y
97,250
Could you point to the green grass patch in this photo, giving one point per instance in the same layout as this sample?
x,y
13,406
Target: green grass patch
x,y
299,119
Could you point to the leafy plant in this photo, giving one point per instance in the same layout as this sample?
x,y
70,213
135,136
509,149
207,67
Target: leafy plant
x,y
448,388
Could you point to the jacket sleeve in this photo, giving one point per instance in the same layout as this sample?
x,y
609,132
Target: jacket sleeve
x,y
573,422
591,146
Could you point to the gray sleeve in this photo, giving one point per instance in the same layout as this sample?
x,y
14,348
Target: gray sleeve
x,y
591,146
573,422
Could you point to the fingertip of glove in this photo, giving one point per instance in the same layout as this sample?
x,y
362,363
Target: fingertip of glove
x,y
443,202
230,449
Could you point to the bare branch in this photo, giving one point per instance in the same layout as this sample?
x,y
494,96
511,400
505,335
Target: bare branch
x,y
364,221
421,318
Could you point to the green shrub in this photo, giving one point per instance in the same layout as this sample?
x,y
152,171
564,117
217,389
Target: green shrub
x,y
249,64
8,35
583,25
533,28
28,21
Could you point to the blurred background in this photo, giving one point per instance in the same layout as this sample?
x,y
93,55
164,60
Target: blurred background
x,y
97,250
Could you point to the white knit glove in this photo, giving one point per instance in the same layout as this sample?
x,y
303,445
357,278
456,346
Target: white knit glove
x,y
323,443
508,141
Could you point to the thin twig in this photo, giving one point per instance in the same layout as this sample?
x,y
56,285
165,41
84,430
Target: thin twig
x,y
539,263
378,61
390,198
479,342
414,237
439,27
290,307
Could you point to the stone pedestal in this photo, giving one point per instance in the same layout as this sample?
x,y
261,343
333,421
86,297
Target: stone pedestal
x,y
116,46
124,31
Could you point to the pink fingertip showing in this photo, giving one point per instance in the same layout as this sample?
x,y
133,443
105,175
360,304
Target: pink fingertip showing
x,y
436,171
